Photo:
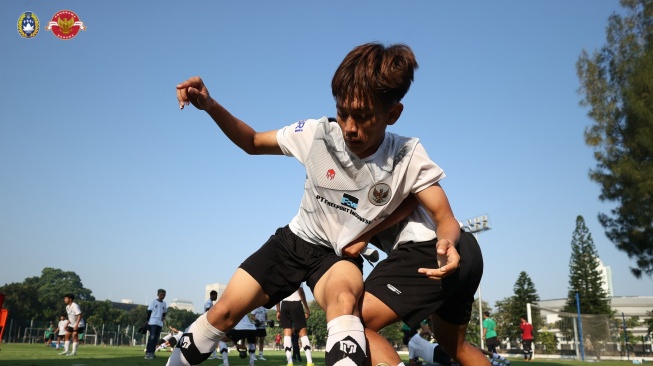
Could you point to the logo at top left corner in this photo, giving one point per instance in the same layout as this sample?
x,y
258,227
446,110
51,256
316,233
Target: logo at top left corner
x,y
28,25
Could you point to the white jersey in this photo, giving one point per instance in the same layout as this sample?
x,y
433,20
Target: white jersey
x,y
416,227
345,196
294,296
208,304
260,314
158,308
245,324
63,324
74,312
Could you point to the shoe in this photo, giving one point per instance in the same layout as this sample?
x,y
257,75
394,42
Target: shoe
x,y
63,353
71,354
506,362
310,364
260,357
149,356
290,364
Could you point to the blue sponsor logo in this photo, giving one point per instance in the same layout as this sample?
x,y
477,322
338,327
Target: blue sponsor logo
x,y
300,125
349,201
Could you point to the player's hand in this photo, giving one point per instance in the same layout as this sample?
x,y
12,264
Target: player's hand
x,y
193,91
448,261
354,248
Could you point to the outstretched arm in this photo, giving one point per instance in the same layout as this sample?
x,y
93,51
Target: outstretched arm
x,y
193,91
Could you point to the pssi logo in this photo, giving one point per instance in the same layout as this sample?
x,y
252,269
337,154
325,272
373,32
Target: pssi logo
x,y
300,126
28,25
349,201
331,174
65,25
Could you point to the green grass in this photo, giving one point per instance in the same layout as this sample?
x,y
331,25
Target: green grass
x,y
19,354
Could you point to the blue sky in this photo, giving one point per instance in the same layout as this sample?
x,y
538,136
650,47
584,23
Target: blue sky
x,y
101,174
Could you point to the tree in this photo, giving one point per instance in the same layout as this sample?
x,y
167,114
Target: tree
x,y
473,327
511,309
179,319
584,277
617,84
52,285
21,300
316,324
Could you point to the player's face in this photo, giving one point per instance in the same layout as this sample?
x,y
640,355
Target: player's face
x,y
363,125
161,295
67,300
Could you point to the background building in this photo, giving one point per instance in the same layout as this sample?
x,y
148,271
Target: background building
x,y
219,287
181,304
606,275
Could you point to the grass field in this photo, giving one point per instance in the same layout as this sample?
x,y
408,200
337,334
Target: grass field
x,y
19,354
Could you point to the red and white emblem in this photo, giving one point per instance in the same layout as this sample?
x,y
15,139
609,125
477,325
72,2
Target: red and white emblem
x,y
331,174
65,24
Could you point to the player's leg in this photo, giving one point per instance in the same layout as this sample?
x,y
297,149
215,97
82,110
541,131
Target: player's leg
x,y
242,294
338,292
261,333
75,337
224,352
306,346
66,342
376,315
452,338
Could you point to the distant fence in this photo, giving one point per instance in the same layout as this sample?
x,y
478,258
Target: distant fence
x,y
32,331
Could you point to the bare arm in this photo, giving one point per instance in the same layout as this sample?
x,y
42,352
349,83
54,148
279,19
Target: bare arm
x,y
405,208
194,91
302,296
436,203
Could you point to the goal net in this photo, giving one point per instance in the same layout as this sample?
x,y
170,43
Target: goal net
x,y
590,339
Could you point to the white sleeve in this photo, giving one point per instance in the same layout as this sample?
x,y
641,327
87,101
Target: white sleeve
x,y
296,139
427,172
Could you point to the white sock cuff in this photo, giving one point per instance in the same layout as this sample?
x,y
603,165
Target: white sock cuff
x,y
305,341
206,329
344,323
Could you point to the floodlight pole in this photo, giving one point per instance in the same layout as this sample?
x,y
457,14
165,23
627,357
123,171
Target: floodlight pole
x,y
474,226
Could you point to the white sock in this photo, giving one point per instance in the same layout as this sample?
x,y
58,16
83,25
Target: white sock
x,y
205,338
224,351
75,348
346,344
287,345
66,345
306,345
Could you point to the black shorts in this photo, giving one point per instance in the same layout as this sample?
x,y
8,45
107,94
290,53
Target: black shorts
x,y
61,336
292,315
236,335
261,333
396,282
285,261
70,329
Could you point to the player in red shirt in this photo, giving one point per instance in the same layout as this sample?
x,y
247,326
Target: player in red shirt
x,y
526,338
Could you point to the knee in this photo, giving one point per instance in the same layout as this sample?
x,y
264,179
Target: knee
x,y
344,302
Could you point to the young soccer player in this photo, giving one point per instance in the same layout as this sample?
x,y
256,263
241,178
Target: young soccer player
x,y
356,175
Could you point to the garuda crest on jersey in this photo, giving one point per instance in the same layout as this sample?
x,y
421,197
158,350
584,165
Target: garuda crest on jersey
x,y
379,194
